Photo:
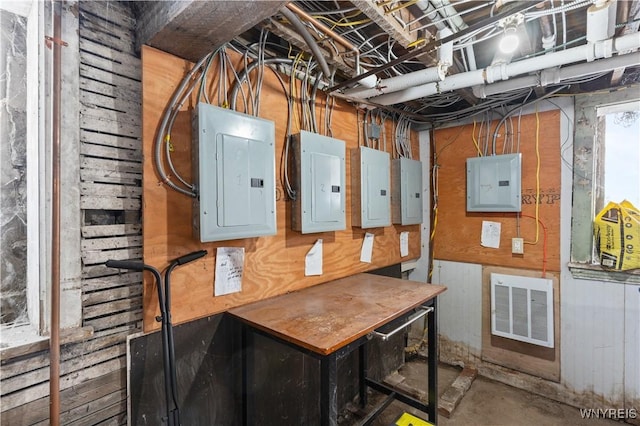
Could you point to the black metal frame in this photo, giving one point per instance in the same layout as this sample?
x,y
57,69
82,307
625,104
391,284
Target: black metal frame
x,y
329,379
172,407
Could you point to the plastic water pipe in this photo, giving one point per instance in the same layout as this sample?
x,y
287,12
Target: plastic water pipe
x,y
394,84
589,52
555,75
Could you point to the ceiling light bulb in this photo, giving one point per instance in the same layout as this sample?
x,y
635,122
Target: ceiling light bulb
x,y
509,41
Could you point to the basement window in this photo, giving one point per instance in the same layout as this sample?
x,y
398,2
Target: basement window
x,y
606,168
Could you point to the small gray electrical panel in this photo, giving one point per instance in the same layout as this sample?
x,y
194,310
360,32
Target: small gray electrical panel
x,y
370,181
493,183
406,191
319,181
234,172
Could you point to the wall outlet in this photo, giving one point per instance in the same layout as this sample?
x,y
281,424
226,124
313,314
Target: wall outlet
x,y
517,245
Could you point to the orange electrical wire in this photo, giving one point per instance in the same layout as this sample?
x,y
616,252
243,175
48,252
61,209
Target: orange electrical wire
x,y
544,243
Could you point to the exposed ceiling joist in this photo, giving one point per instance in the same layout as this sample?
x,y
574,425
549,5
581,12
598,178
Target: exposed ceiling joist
x,y
393,28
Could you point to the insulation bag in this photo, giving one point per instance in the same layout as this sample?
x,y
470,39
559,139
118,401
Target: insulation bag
x,y
617,236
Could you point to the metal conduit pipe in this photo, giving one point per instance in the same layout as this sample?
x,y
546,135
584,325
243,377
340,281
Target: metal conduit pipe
x,y
56,117
555,76
243,75
590,52
300,28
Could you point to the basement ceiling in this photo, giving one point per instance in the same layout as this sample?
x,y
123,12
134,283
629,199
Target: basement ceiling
x,y
434,60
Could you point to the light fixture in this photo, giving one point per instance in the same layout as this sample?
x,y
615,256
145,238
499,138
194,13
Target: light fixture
x,y
509,41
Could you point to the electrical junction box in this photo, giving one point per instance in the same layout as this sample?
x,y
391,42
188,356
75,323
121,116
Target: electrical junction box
x,y
319,181
370,180
493,183
234,170
406,191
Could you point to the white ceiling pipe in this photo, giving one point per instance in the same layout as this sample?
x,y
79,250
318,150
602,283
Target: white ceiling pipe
x,y
453,82
484,90
505,71
471,57
429,11
450,13
564,73
394,84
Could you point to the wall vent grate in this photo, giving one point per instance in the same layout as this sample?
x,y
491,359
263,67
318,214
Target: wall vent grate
x,y
522,309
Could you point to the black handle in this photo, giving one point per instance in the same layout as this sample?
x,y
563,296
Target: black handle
x,y
125,264
190,257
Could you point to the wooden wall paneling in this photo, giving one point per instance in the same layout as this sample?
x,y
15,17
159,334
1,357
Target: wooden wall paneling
x,y
457,236
76,402
273,265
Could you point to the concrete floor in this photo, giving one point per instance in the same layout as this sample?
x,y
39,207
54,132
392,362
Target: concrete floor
x,y
486,403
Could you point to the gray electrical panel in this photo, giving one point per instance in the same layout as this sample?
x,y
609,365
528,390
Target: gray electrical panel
x,y
406,191
493,183
370,182
234,171
319,181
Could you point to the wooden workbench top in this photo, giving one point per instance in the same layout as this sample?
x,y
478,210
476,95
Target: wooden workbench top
x,y
326,317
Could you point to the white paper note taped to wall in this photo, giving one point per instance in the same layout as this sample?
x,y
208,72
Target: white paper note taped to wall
x,y
404,244
366,251
313,260
490,234
229,267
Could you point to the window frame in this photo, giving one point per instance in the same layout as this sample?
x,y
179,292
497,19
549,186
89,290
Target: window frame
x,y
586,164
39,183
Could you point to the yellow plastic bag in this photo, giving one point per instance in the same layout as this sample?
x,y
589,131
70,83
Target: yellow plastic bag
x,y
617,236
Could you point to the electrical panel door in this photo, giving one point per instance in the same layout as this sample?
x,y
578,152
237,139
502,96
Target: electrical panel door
x,y
370,177
319,182
326,188
234,171
407,202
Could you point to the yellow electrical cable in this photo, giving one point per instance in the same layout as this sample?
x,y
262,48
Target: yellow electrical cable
x,y
537,179
402,6
293,84
417,42
473,137
346,23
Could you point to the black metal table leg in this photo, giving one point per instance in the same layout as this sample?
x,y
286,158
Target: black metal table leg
x,y
432,363
329,390
362,385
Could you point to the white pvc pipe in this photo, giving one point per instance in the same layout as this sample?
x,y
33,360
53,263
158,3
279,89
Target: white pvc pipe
x,y
450,14
428,10
400,82
565,73
505,71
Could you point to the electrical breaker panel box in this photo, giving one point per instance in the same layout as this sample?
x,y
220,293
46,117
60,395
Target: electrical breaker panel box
x,y
406,191
234,171
319,181
493,183
370,181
